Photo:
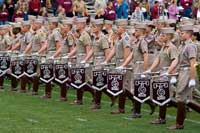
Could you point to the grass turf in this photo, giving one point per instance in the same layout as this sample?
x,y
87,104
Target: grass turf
x,y
21,113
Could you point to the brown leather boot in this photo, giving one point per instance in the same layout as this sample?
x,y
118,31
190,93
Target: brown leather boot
x,y
36,80
137,110
118,111
48,89
180,117
162,116
24,80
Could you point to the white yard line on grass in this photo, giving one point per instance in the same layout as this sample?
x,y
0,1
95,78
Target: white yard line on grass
x,y
146,111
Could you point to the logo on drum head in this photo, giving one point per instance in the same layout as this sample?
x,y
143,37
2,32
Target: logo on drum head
x,y
141,90
78,77
115,84
161,94
99,79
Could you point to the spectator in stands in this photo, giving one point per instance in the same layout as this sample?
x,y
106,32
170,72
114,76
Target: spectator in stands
x,y
10,8
187,5
34,7
43,12
18,14
24,7
79,8
155,10
138,14
99,4
3,14
67,5
122,9
109,12
173,10
132,5
144,5
196,10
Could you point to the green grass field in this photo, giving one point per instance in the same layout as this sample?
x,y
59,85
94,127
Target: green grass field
x,y
21,113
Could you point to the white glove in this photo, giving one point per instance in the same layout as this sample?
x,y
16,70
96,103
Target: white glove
x,y
87,65
36,53
173,80
104,63
65,57
51,57
83,62
165,74
147,71
192,83
21,55
142,76
120,67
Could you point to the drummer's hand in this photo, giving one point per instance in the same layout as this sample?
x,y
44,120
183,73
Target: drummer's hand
x,y
21,55
147,71
87,65
120,67
51,57
36,53
173,80
104,63
65,57
192,83
83,62
165,74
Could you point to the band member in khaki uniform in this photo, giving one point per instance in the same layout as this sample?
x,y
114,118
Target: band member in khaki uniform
x,y
100,52
168,57
67,44
38,46
24,42
5,44
139,55
121,50
82,49
53,49
16,36
108,31
186,79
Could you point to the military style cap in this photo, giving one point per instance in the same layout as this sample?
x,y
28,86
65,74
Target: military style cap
x,y
15,25
140,26
196,28
31,17
19,19
187,27
148,22
81,20
26,23
4,26
187,21
67,21
160,20
38,20
167,30
97,21
171,21
121,22
108,22
53,19
132,22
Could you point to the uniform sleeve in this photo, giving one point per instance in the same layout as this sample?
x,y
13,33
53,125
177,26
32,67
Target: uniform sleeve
x,y
29,38
104,44
144,46
173,53
192,51
57,36
126,41
86,39
70,40
8,40
42,36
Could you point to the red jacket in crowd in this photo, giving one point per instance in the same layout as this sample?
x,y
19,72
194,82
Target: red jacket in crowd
x,y
155,12
16,15
66,4
186,3
4,15
110,13
34,6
